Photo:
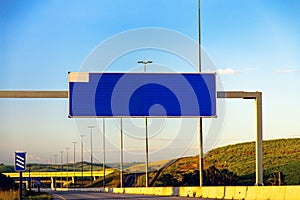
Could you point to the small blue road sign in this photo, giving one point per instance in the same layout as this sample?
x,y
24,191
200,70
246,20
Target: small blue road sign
x,y
20,161
142,94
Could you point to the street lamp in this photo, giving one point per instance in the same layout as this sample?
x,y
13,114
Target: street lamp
x,y
61,169
103,146
74,143
146,126
145,63
81,160
67,149
55,156
55,169
91,131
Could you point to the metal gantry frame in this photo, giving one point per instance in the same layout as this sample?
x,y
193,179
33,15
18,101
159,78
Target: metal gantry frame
x,y
257,96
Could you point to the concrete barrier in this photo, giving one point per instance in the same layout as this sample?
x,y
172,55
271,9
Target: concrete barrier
x,y
220,192
215,192
292,193
235,192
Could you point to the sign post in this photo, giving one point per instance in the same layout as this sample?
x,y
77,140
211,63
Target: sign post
x,y
20,166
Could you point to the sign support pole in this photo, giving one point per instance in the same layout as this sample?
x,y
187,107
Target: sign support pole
x,y
258,144
20,186
220,94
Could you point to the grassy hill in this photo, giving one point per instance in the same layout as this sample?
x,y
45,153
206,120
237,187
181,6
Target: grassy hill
x,y
278,155
51,167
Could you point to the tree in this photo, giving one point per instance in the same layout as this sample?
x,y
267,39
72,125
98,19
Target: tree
x,y
211,176
191,179
166,180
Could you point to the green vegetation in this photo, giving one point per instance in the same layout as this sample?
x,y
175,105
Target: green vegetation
x,y
228,165
281,155
8,194
6,168
31,195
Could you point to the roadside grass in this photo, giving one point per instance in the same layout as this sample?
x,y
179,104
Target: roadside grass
x,y
36,195
8,195
27,195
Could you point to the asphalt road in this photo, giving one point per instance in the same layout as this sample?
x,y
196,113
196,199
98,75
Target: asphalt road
x,y
82,195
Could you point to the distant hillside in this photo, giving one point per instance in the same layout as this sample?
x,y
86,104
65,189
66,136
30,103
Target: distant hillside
x,y
281,155
51,167
278,155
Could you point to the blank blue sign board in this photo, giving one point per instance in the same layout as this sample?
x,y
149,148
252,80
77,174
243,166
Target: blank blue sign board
x,y
142,94
20,161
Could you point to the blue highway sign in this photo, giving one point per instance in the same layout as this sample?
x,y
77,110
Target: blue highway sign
x,y
20,161
142,94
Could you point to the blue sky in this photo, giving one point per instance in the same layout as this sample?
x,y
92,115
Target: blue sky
x,y
254,45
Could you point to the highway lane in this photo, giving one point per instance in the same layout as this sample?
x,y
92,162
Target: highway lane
x,y
82,195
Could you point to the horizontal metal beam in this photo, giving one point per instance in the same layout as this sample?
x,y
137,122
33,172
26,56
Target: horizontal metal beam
x,y
33,94
238,94
64,94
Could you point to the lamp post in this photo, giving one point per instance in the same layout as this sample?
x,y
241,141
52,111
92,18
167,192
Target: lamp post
x,y
67,149
121,153
61,169
103,146
200,133
55,169
50,163
74,160
91,136
55,156
81,160
146,127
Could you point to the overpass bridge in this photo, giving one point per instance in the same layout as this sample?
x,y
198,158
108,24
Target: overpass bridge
x,y
58,177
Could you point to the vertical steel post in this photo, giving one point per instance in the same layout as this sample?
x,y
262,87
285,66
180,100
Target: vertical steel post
x,y
20,186
67,149
121,153
146,140
103,146
82,160
200,119
55,169
74,160
61,168
91,135
259,151
147,152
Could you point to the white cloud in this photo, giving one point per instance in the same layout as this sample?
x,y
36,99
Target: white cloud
x,y
228,71
285,71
